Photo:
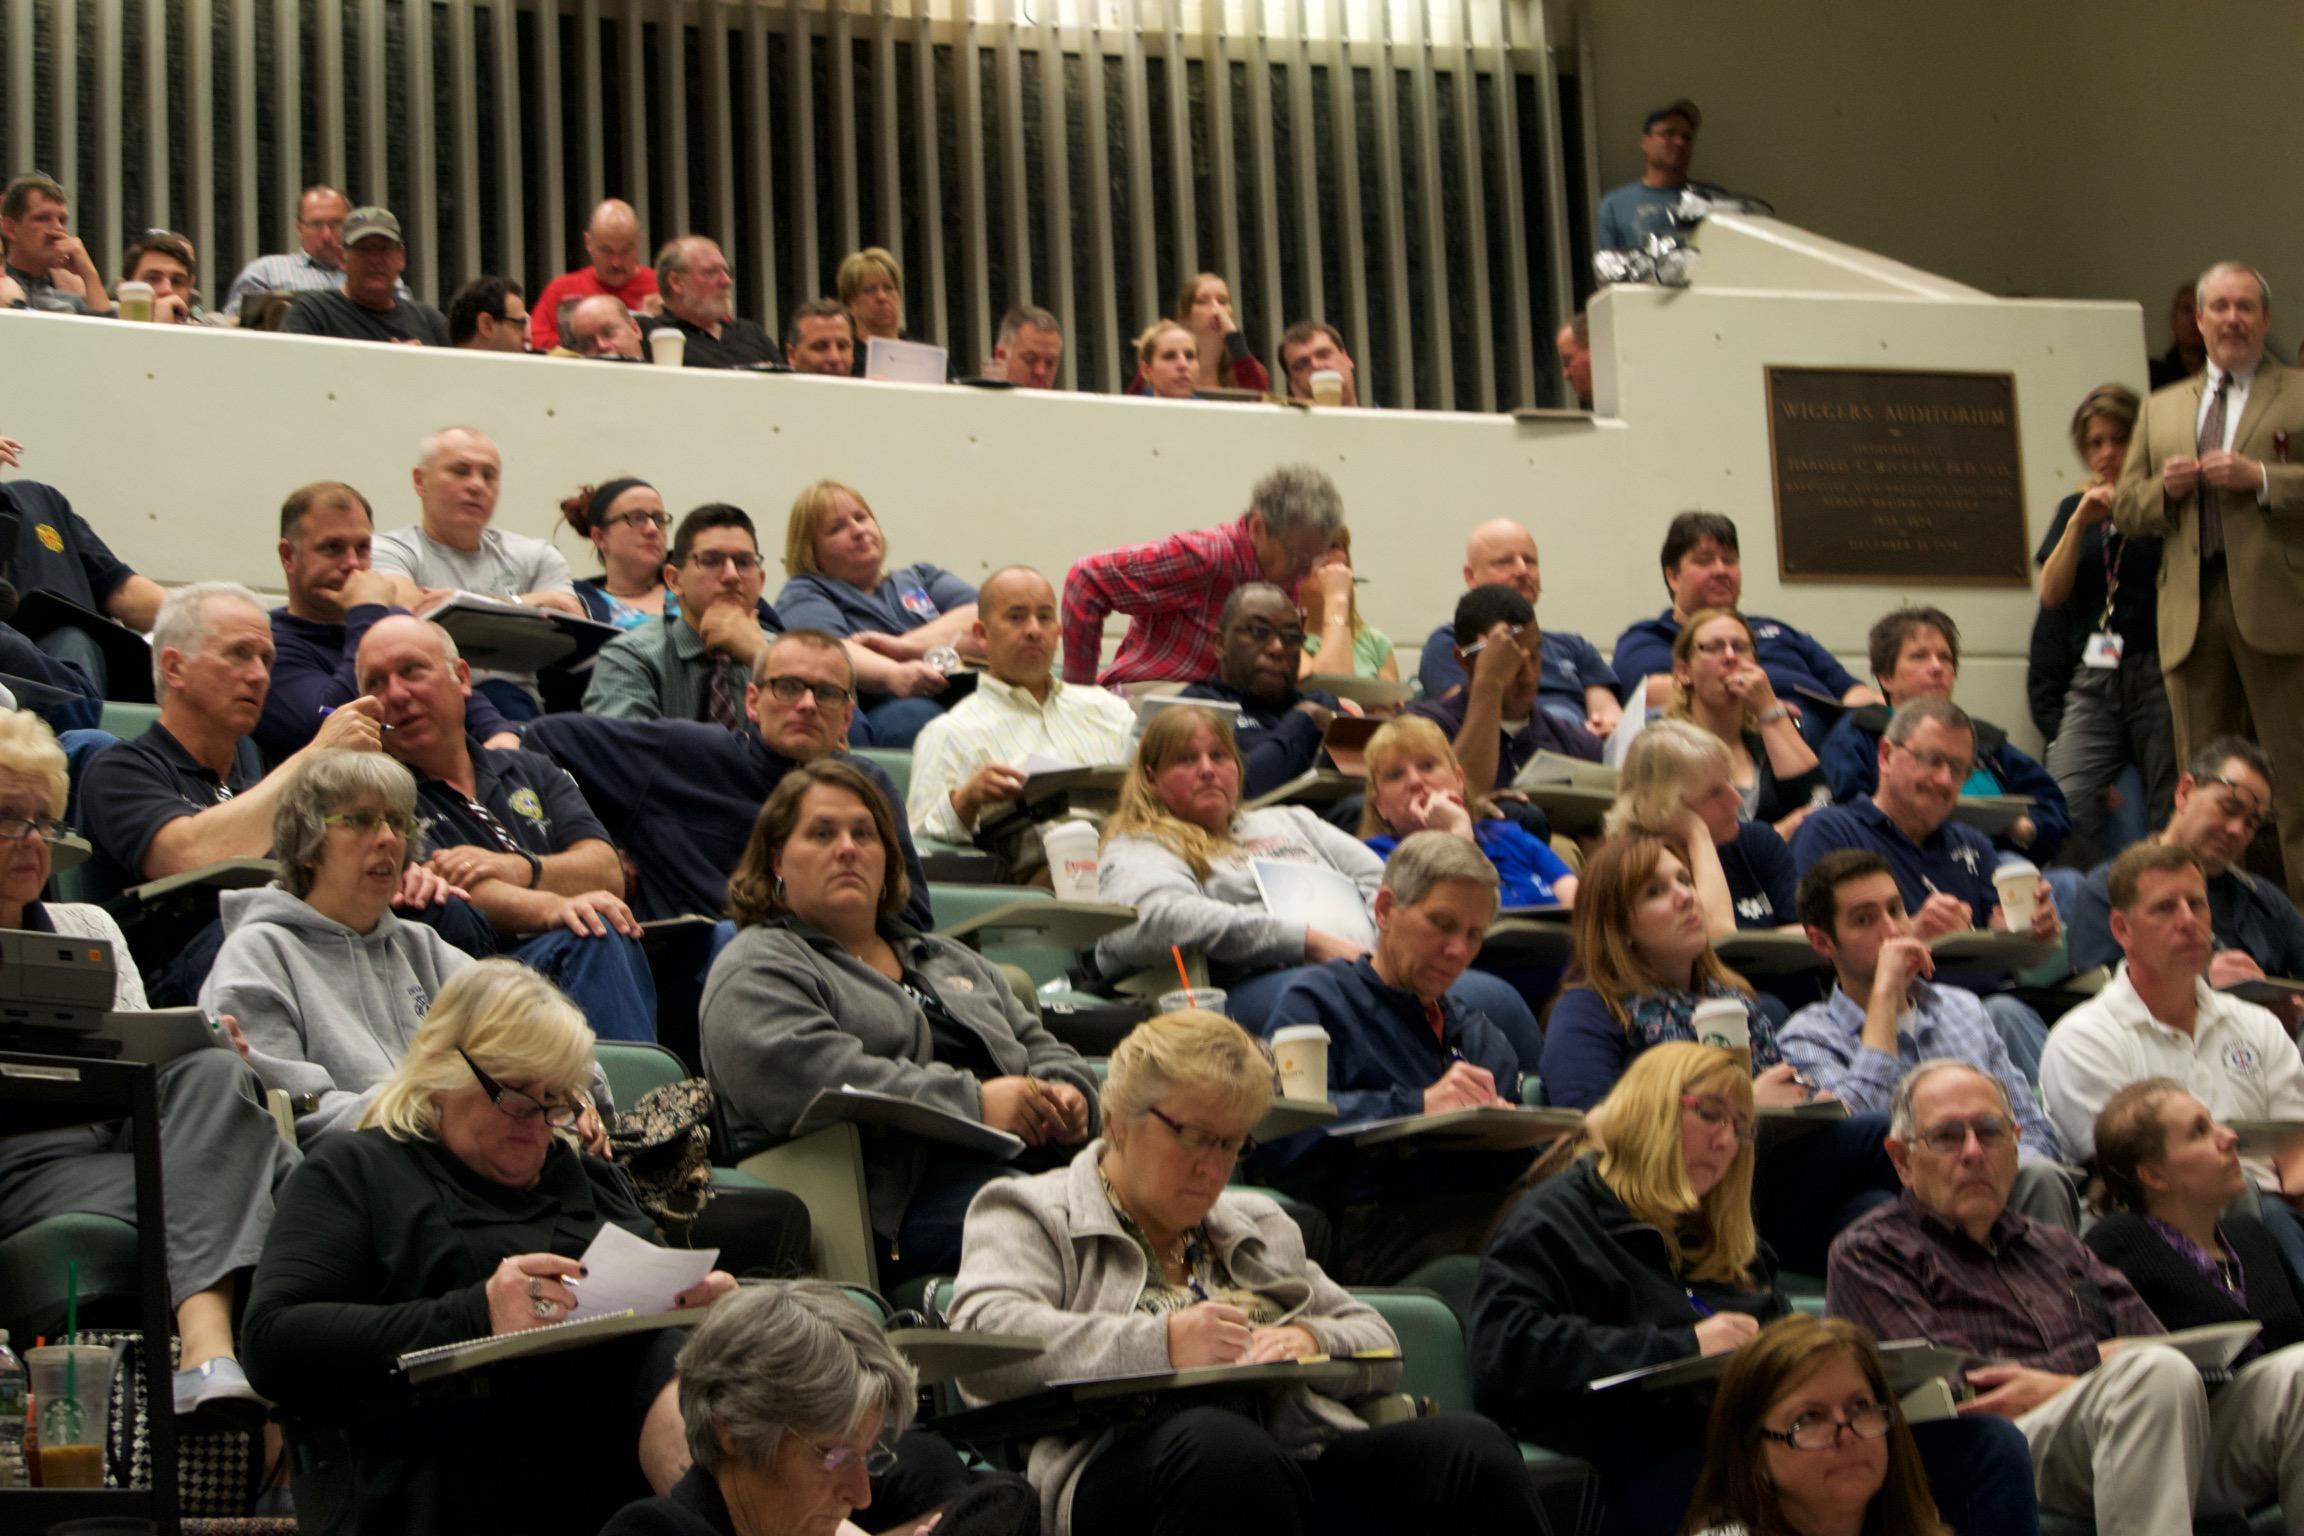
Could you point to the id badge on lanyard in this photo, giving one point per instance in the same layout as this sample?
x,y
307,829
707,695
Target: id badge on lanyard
x,y
2105,645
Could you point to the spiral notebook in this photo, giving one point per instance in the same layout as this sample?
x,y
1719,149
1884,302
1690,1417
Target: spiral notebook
x,y
420,1365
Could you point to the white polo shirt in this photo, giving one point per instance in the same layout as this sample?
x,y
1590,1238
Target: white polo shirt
x,y
2238,1061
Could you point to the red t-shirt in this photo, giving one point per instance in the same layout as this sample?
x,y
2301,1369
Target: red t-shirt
x,y
583,283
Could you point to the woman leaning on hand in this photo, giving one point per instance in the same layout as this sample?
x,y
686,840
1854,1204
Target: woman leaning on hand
x,y
824,986
455,1213
1138,1258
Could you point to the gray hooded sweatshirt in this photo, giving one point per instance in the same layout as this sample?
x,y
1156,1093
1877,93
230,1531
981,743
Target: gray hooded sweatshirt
x,y
325,1010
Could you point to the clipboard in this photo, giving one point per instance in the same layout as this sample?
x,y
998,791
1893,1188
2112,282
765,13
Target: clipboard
x,y
1488,1128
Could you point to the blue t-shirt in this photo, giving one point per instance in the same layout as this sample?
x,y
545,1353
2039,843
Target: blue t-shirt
x,y
1529,869
1636,210
1955,859
905,599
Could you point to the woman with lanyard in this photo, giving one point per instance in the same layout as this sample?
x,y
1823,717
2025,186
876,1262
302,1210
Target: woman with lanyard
x,y
2096,644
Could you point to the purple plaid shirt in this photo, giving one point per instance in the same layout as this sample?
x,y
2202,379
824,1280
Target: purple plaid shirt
x,y
2028,1293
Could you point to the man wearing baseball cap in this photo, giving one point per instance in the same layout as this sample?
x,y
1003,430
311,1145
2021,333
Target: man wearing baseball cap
x,y
1638,209
369,307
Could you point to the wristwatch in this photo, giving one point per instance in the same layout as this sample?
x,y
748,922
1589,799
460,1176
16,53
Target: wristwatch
x,y
1774,715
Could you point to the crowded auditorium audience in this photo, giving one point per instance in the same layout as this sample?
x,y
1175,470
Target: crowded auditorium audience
x,y
428,905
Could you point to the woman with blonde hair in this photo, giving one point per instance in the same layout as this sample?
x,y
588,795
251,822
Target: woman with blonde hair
x,y
1337,641
1181,851
458,1212
1416,784
1140,1256
1677,783
836,559
1807,1440
1639,1252
1718,685
870,283
1167,362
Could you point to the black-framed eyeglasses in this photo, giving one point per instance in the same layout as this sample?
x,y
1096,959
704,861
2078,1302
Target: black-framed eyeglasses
x,y
639,519
787,690
15,829
1264,634
713,559
1864,1419
515,1105
1716,1116
878,1461
1200,1143
365,823
1949,1138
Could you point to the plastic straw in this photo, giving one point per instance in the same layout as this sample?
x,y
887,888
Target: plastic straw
x,y
1182,974
69,1416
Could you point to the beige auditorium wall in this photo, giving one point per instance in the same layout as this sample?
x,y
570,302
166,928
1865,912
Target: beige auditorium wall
x,y
2105,151
179,445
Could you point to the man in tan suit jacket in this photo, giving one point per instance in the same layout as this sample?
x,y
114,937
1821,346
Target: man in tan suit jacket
x,y
2229,507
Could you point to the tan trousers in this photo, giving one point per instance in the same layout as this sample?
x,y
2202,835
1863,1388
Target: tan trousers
x,y
2226,688
2138,1446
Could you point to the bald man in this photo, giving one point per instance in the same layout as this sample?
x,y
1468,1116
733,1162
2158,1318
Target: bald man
x,y
1578,686
964,761
612,240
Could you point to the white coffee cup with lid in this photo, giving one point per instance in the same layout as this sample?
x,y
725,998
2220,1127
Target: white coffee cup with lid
x,y
1302,1053
668,347
2018,882
1725,1022
1327,387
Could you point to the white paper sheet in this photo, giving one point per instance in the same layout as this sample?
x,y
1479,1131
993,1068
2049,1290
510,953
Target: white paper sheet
x,y
1316,896
630,1274
904,362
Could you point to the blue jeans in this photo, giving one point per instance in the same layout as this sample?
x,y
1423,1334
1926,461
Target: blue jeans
x,y
2022,1030
607,977
895,722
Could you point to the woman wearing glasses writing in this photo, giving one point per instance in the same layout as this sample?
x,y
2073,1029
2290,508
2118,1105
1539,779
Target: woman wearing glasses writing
x,y
1807,1441
837,559
1137,1258
825,986
455,1213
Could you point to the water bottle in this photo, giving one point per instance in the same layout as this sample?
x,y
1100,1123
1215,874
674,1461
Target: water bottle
x,y
11,1416
944,659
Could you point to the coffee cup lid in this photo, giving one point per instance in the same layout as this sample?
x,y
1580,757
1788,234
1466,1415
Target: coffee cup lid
x,y
1294,1032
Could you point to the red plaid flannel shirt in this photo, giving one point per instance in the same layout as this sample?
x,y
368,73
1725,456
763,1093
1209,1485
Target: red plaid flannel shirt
x,y
1171,589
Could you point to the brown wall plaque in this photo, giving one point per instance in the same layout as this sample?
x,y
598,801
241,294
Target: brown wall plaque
x,y
1889,475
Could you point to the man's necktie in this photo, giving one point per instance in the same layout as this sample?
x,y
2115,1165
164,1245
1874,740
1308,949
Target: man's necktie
x,y
2212,439
720,705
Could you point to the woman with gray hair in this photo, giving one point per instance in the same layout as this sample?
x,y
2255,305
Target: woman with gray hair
x,y
795,1405
456,1213
328,984
1139,1258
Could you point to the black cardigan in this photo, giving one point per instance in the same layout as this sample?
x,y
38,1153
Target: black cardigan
x,y
2181,1297
1573,1288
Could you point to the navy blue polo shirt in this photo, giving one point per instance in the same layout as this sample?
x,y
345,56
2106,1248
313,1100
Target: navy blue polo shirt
x,y
1566,665
1792,658
1955,858
56,551
132,790
532,799
1761,878
681,796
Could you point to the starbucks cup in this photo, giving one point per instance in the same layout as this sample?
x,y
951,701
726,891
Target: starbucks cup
x,y
1071,847
135,301
73,1386
668,348
2018,882
1302,1052
1724,1022
1327,387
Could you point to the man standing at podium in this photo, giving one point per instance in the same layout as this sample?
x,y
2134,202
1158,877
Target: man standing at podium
x,y
2209,472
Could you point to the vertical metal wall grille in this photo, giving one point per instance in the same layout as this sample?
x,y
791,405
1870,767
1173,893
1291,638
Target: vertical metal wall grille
x,y
1394,167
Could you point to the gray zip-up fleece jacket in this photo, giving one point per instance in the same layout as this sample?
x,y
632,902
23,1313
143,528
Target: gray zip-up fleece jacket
x,y
1047,1257
325,1010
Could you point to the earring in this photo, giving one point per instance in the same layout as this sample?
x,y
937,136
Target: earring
x,y
776,893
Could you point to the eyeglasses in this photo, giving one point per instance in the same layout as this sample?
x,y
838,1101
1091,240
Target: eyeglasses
x,y
1866,1420
1950,1138
14,829
366,822
1264,634
787,690
647,520
1727,647
878,1461
712,559
1200,1143
1716,1116
2235,804
518,1106
1939,762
